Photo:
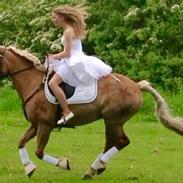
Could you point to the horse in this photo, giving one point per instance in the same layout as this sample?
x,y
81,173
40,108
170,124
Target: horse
x,y
118,99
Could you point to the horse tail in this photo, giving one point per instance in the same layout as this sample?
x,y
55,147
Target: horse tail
x,y
162,109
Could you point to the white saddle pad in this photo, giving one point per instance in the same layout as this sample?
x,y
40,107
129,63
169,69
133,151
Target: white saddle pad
x,y
84,93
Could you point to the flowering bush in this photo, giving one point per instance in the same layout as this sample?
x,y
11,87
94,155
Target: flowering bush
x,y
142,39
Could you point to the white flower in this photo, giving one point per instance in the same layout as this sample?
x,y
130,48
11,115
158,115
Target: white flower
x,y
55,47
131,13
44,41
175,8
151,39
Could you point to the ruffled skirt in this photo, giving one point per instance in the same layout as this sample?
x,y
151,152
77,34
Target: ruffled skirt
x,y
80,68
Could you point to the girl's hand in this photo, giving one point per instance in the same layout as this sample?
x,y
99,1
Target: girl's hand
x,y
53,56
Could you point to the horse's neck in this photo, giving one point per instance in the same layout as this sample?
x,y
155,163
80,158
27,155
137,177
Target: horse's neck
x,y
27,81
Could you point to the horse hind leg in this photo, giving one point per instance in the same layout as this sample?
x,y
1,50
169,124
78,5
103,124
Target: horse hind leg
x,y
116,140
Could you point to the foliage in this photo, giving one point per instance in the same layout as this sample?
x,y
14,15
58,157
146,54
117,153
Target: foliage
x,y
27,24
142,39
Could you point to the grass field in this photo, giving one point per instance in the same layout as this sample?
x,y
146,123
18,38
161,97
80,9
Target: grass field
x,y
155,154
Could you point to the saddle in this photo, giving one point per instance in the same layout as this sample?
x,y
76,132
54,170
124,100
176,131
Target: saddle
x,y
85,92
67,89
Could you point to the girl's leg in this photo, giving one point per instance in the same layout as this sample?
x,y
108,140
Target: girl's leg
x,y
59,94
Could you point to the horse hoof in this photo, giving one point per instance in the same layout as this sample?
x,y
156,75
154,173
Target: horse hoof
x,y
86,177
89,174
101,170
29,169
64,164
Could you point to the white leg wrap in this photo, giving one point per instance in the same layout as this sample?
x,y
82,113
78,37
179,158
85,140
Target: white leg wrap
x,y
24,156
109,154
50,159
97,163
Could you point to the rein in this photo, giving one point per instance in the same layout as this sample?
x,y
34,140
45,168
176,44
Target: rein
x,y
17,72
38,88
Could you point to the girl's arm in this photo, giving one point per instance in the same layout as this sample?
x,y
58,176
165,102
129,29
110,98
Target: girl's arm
x,y
68,35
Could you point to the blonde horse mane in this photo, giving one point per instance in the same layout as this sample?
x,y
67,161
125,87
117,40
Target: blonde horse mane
x,y
29,56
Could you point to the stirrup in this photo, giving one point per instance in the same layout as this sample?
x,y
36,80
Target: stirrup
x,y
64,119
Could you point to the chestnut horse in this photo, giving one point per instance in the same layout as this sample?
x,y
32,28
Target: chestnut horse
x,y
118,99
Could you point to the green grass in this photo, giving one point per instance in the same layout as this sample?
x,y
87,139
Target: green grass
x,y
9,100
155,154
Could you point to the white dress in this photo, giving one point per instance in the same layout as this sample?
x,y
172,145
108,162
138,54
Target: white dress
x,y
79,67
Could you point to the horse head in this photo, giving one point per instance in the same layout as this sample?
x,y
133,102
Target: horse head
x,y
1,52
3,64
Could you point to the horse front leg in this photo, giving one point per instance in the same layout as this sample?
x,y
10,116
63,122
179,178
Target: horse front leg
x,y
42,140
24,157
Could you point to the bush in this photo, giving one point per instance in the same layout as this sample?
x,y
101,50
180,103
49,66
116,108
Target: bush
x,y
142,39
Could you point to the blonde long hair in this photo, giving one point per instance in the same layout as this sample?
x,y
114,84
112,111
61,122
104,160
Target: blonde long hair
x,y
75,16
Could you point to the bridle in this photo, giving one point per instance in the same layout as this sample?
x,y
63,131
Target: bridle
x,y
2,56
